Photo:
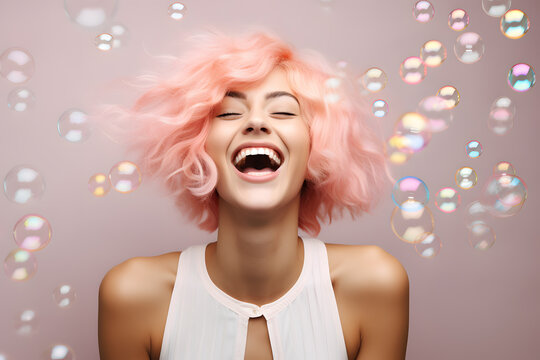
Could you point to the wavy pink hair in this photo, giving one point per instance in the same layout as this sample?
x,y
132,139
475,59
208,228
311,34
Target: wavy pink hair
x,y
169,123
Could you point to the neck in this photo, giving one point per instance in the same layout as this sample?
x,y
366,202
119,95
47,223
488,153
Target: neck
x,y
256,258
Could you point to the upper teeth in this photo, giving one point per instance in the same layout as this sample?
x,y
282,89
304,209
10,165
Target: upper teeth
x,y
257,151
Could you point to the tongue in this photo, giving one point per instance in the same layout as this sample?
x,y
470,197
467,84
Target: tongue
x,y
249,170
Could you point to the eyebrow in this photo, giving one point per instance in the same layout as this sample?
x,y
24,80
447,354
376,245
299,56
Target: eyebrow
x,y
272,95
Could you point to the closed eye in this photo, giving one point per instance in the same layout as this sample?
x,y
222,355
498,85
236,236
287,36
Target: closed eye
x,y
284,113
227,114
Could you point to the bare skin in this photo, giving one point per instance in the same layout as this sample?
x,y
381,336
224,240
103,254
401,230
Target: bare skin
x,y
258,256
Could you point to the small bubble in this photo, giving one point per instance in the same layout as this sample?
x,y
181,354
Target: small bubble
x,y
410,188
466,178
64,295
177,11
469,47
450,96
373,80
73,125
423,11
125,177
504,195
20,265
120,35
26,323
521,77
481,235
474,149
59,352
32,232
21,100
458,19
475,212
429,245
447,200
438,115
415,131
504,168
514,24
90,13
104,42
23,184
412,70
396,149
411,221
99,184
433,53
379,108
17,65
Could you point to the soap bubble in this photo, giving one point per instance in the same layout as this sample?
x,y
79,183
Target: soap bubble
x,y
429,245
476,212
458,19
26,323
466,177
90,13
411,220
521,77
505,103
125,177
474,149
450,96
64,296
32,232
59,352
99,184
20,265
438,115
481,235
469,47
504,168
496,8
504,195
410,188
120,35
396,149
16,65
23,184
447,200
414,129
21,99
514,24
433,53
373,80
73,125
423,11
412,70
500,120
380,108
177,11
104,42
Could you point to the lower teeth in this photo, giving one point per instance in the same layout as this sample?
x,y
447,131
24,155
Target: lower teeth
x,y
259,173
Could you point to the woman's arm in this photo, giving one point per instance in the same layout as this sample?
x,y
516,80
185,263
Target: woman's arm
x,y
124,305
384,304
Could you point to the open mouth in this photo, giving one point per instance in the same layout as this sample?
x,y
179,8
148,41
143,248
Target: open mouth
x,y
254,160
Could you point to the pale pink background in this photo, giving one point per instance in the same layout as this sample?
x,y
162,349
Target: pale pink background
x,y
464,304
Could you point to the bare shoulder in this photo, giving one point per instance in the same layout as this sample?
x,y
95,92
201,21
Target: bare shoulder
x,y
132,296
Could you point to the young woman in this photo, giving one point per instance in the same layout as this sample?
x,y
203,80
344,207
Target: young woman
x,y
257,139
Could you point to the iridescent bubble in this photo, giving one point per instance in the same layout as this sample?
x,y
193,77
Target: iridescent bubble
x,y
125,177
476,212
458,19
410,188
177,10
64,295
20,265
104,42
411,220
16,65
481,235
21,99
379,108
412,70
59,352
437,113
423,11
450,96
474,149
73,125
447,200
120,35
26,323
32,232
514,24
504,195
496,8
414,130
505,103
429,245
396,149
466,178
521,77
433,53
99,184
500,120
469,47
373,80
504,168
23,184
90,13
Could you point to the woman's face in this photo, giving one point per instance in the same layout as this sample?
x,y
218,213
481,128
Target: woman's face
x,y
247,117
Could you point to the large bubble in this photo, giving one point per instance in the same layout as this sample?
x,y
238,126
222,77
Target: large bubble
x,y
433,53
423,11
496,8
504,195
20,265
90,13
514,24
32,232
23,184
412,70
458,19
411,221
410,188
125,177
17,65
469,47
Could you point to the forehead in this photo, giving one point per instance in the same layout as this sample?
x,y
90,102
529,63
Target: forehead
x,y
275,81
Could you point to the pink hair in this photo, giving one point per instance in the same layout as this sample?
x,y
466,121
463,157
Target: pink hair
x,y
169,124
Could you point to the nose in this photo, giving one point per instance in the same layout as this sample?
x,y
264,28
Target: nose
x,y
256,124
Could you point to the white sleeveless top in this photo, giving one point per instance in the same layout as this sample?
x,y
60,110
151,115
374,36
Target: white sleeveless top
x,y
205,323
